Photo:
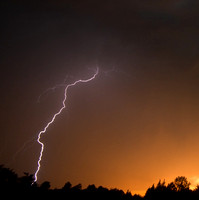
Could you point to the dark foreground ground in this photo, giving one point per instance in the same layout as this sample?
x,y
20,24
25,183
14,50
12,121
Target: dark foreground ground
x,y
12,187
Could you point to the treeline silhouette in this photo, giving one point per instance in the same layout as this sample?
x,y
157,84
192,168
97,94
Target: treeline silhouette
x,y
13,186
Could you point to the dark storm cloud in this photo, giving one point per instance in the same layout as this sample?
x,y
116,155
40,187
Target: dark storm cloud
x,y
165,25
154,42
108,31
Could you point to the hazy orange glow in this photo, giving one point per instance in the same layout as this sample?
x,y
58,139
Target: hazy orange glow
x,y
128,147
135,124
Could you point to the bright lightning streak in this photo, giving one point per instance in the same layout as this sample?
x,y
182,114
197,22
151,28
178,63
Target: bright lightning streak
x,y
54,116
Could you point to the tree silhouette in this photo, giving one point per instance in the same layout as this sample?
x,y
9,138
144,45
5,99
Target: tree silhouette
x,y
67,186
45,186
91,188
12,186
26,181
197,188
8,178
181,183
171,187
77,187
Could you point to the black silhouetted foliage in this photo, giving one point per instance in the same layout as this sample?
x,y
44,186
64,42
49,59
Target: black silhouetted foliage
x,y
12,186
178,189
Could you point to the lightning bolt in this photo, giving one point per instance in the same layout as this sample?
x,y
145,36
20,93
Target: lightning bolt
x,y
53,119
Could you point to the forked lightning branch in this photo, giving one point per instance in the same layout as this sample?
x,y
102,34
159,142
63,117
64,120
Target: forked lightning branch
x,y
53,119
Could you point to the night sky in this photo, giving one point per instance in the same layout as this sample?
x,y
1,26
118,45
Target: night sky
x,y
135,123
